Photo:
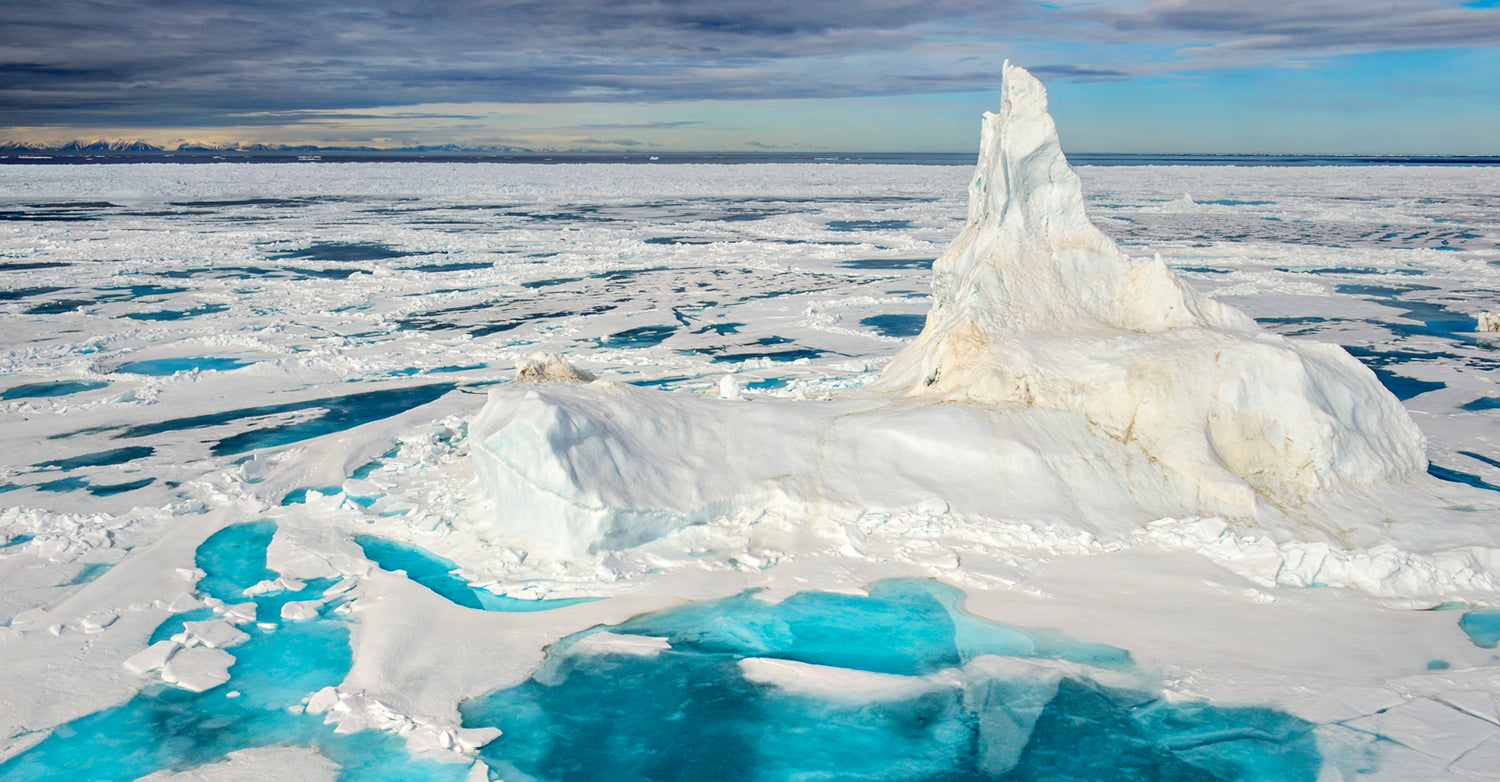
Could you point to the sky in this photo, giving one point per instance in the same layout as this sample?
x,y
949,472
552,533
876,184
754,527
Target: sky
x,y
1157,76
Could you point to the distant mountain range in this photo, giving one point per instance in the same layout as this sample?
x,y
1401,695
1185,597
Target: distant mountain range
x,y
137,145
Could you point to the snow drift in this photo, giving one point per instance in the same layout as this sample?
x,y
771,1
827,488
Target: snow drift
x,y
1056,382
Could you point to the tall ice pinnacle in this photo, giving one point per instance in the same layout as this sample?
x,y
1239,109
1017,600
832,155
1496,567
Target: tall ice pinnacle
x,y
1034,306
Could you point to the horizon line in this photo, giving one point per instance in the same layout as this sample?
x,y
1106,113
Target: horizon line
x,y
75,150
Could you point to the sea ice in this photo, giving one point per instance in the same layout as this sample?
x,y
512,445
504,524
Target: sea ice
x,y
288,322
197,668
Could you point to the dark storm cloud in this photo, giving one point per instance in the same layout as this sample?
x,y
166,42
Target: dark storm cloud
x,y
165,62
212,62
1079,72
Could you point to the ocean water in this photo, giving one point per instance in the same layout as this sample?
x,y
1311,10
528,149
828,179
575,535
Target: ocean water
x,y
199,337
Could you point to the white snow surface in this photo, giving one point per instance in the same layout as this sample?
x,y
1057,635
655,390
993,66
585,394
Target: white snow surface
x,y
801,282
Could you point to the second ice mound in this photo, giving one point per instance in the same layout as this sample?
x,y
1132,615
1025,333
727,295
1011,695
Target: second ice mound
x,y
1034,306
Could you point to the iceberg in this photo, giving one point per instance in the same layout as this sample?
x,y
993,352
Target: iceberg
x,y
1034,306
1057,384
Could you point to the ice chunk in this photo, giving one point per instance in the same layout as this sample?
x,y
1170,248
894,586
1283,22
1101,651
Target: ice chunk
x,y
197,668
729,388
238,613
549,368
152,657
1007,711
278,584
300,609
840,684
613,643
215,633
479,772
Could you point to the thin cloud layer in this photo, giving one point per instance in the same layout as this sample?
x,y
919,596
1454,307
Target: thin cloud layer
x,y
1256,32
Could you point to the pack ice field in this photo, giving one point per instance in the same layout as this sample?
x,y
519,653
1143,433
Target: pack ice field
x,y
259,520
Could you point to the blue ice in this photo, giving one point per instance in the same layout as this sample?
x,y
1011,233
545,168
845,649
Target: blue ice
x,y
689,714
164,728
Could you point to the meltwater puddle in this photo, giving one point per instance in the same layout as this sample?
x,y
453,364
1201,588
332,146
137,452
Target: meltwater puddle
x,y
438,574
1482,626
276,664
739,689
171,366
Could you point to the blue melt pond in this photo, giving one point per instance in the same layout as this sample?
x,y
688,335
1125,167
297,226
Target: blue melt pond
x,y
100,458
70,483
639,337
171,366
299,496
1483,627
166,729
120,488
896,324
55,388
168,315
689,712
437,574
336,414
24,537
1458,476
